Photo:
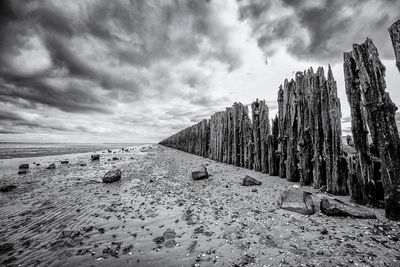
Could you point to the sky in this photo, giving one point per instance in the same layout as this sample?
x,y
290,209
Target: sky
x,y
140,71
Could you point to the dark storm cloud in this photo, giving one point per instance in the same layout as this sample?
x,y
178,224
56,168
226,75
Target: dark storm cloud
x,y
13,120
86,57
320,30
72,98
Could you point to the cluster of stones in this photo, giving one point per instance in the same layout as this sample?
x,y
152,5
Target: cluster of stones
x,y
304,142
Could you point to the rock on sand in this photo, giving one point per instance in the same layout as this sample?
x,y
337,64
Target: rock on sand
x,y
297,201
112,176
51,166
249,181
200,173
24,166
95,157
335,207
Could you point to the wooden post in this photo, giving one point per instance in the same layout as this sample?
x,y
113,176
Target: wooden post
x,y
364,75
394,32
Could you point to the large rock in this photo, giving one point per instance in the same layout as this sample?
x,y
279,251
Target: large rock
x,y
95,157
112,176
24,166
335,207
297,201
249,181
200,173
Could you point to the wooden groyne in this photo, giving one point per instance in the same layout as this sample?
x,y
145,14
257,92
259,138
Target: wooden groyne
x,y
303,143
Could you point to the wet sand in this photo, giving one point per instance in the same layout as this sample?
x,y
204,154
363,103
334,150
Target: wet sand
x,y
158,216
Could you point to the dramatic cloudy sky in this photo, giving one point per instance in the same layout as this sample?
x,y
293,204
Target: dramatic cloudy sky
x,y
138,71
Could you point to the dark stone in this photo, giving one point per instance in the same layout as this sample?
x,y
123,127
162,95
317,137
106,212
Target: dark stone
x,y
297,201
95,157
9,260
22,172
115,158
64,162
112,251
159,240
112,176
109,150
51,166
83,164
335,207
200,173
127,249
7,188
24,166
249,181
6,247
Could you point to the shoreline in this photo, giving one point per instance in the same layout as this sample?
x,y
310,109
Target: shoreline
x,y
18,150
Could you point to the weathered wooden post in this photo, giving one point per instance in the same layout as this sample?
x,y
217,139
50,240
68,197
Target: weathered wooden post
x,y
265,130
394,32
282,138
255,111
304,144
273,156
336,168
364,74
317,133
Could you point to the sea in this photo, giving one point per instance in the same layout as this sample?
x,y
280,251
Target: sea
x,y
11,150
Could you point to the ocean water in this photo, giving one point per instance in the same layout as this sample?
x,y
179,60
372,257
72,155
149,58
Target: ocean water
x,y
9,150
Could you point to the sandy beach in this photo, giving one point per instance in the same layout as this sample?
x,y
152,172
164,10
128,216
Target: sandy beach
x,y
158,216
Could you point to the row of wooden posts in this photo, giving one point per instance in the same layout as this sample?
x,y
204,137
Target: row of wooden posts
x,y
304,141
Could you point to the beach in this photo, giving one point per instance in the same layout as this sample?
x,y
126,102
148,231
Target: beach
x,y
156,215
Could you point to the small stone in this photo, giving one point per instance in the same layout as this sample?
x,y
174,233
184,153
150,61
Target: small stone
x,y
200,173
250,181
24,166
95,157
169,234
6,247
170,243
51,166
159,240
7,188
324,232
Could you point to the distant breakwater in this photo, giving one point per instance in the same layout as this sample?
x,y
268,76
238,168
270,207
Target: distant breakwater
x,y
303,142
